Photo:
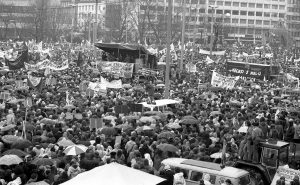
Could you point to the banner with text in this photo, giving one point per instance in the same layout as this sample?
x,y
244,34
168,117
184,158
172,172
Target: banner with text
x,y
248,70
120,68
218,80
204,52
48,64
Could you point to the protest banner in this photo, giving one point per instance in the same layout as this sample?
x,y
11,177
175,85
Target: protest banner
x,y
123,69
248,70
204,52
222,81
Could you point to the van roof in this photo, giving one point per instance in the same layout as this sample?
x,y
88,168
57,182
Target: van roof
x,y
205,167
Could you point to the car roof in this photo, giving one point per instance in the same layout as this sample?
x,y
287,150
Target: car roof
x,y
205,167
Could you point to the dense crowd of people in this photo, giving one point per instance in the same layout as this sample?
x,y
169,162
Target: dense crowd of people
x,y
197,127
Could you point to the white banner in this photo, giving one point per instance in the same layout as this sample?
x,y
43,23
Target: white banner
x,y
115,84
218,80
204,52
47,64
96,86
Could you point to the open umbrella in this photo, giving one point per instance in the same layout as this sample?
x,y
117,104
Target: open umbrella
x,y
286,101
21,144
218,155
110,118
127,86
17,152
166,135
65,142
173,125
189,122
10,160
7,128
132,117
38,183
188,117
213,113
138,88
151,113
75,150
69,107
143,128
147,119
42,161
48,121
120,174
168,113
167,147
108,131
51,106
9,139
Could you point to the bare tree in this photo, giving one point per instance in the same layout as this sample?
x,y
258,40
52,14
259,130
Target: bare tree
x,y
5,19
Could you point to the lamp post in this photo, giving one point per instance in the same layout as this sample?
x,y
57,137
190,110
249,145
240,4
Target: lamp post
x,y
168,58
73,11
212,28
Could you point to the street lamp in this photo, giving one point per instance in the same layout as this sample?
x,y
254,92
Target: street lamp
x,y
73,11
213,7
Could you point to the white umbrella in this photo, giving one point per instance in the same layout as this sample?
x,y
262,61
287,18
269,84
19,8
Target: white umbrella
x,y
75,150
243,129
119,174
10,160
218,155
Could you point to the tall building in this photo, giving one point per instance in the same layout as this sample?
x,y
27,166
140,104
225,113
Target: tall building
x,y
293,20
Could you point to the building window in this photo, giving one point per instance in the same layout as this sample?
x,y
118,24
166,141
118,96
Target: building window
x,y
259,5
250,21
259,14
252,5
227,11
281,7
266,22
219,11
220,3
212,2
194,2
274,6
266,6
250,13
227,3
243,12
243,4
236,4
235,12
266,14
259,22
202,2
243,21
236,21
274,15
250,31
201,10
243,30
274,23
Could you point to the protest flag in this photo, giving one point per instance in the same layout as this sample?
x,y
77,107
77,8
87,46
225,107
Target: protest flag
x,y
28,102
95,123
80,59
19,62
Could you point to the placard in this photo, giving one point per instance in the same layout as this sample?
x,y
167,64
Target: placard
x,y
218,80
124,70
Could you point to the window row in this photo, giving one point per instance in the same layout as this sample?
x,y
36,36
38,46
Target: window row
x,y
249,13
90,8
250,5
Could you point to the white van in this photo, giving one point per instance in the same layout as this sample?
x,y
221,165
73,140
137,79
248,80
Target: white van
x,y
194,171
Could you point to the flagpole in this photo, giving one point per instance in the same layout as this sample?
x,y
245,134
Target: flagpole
x,y
182,36
169,25
24,123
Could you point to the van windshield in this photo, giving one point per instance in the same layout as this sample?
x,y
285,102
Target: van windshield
x,y
244,180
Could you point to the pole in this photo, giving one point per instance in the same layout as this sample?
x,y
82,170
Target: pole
x,y
24,124
182,36
211,31
95,33
167,78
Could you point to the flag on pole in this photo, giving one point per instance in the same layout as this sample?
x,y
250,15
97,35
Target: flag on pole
x,y
28,102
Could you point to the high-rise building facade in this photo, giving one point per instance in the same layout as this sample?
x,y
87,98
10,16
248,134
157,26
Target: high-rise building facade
x,y
293,20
